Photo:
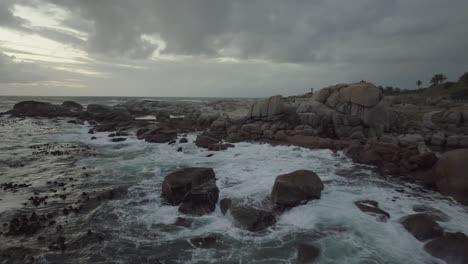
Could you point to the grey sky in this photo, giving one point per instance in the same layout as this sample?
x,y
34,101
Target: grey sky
x,y
225,48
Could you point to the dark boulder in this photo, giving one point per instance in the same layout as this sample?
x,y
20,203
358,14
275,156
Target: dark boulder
x,y
177,184
451,247
40,109
435,214
160,136
422,226
105,113
74,106
204,141
225,204
372,208
450,175
252,219
183,140
296,187
201,199
307,253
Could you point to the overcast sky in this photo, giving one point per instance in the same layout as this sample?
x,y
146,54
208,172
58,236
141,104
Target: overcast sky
x,y
238,48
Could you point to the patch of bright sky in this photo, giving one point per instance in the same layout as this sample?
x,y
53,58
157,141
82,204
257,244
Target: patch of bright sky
x,y
39,48
47,15
67,83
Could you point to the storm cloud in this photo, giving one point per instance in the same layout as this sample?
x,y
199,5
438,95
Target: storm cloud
x,y
389,42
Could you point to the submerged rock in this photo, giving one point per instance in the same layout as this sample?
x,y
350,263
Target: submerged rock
x,y
421,226
451,247
251,219
372,208
435,214
450,175
307,253
296,187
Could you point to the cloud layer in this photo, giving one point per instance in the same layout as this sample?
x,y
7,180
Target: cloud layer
x,y
391,42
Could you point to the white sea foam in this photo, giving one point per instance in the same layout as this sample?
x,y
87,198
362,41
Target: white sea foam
x,y
346,235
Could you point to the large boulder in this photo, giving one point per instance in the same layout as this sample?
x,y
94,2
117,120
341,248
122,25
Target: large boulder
x,y
451,247
40,109
363,94
267,107
201,199
422,226
296,187
206,140
177,184
362,100
450,175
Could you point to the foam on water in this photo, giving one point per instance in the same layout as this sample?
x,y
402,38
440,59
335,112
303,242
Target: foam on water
x,y
247,172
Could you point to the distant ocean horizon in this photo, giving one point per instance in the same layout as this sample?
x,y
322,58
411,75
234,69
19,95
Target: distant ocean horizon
x,y
8,101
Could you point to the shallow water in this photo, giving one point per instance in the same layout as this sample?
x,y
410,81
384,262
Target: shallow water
x,y
139,229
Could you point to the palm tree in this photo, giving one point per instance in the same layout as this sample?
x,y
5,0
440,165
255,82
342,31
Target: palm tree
x,y
438,79
419,83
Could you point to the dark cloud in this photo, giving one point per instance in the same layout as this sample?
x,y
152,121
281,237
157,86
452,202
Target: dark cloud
x,y
18,72
386,41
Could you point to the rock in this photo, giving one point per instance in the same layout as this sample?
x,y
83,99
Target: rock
x,y
268,107
40,109
205,242
424,161
296,187
363,94
421,226
457,141
450,175
201,199
307,253
438,139
410,139
225,204
452,117
177,184
281,135
372,208
160,136
435,214
451,247
118,139
105,113
183,222
252,219
204,141
74,106
183,140
358,135
219,147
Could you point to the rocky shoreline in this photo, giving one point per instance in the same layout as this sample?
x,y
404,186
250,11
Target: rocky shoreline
x,y
370,128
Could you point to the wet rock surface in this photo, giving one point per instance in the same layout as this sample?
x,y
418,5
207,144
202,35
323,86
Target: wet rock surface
x,y
296,187
372,208
422,226
451,247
